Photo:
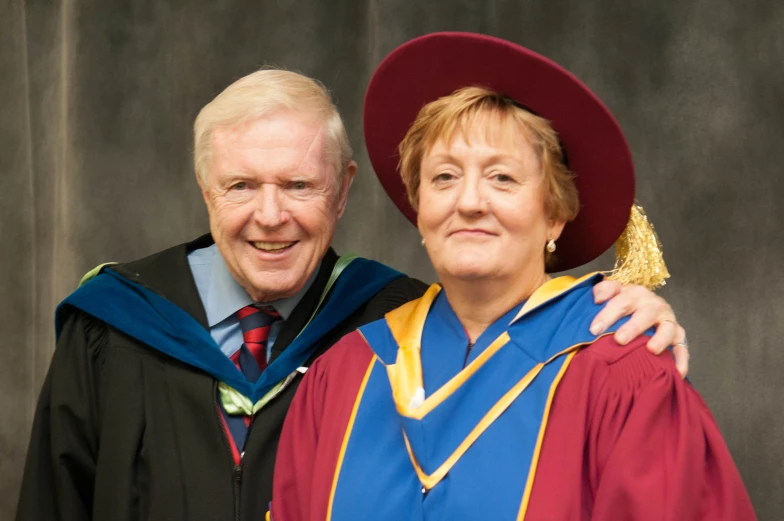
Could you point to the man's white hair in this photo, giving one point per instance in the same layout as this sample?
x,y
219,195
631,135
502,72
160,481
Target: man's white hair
x,y
261,94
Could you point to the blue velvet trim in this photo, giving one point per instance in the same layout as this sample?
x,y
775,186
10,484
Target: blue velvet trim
x,y
159,323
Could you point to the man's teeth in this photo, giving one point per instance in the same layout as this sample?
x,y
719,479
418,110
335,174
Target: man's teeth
x,y
272,246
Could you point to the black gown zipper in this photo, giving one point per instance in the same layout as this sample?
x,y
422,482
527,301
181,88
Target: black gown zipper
x,y
237,485
236,469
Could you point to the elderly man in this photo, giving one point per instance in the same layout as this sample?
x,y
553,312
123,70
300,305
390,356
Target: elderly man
x,y
172,374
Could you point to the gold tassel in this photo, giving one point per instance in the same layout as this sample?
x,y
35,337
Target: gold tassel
x,y
638,253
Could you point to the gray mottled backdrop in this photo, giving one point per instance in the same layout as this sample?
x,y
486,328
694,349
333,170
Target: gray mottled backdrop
x,y
97,99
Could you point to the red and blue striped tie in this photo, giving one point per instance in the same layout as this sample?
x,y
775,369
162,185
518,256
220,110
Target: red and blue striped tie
x,y
255,322
251,359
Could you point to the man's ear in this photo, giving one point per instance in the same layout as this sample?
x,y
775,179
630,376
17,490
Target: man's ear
x,y
345,185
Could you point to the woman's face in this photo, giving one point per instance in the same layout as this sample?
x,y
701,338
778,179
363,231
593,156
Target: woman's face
x,y
481,206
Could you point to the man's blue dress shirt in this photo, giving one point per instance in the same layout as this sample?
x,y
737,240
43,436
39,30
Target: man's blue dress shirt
x,y
222,297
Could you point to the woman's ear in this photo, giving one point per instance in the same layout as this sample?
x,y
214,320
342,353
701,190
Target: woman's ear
x,y
555,229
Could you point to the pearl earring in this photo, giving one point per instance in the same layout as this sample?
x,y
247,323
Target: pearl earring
x,y
550,246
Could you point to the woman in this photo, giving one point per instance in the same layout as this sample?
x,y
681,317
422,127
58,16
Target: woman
x,y
488,398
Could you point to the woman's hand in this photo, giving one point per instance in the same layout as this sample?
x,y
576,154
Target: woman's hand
x,y
647,310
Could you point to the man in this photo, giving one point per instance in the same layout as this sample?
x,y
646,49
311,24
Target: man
x,y
172,374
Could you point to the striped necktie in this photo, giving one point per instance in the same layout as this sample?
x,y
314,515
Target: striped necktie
x,y
251,359
255,322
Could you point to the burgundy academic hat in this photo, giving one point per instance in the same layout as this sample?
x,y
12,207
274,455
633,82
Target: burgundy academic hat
x,y
435,65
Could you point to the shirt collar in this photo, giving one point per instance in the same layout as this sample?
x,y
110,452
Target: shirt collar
x,y
225,296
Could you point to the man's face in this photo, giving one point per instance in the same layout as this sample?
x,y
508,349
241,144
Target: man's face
x,y
274,200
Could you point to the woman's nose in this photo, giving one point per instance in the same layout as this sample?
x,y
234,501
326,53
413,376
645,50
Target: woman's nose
x,y
471,199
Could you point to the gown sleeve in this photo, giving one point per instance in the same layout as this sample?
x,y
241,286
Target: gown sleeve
x,y
59,471
657,453
314,429
295,461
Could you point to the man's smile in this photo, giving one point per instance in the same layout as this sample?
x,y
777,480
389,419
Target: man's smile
x,y
272,246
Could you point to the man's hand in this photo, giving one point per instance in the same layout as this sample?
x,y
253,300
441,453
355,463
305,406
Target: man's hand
x,y
647,310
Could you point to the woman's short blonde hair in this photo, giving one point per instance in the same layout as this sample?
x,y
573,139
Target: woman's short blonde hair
x,y
441,118
263,93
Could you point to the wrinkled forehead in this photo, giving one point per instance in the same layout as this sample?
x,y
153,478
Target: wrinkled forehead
x,y
282,125
491,126
277,143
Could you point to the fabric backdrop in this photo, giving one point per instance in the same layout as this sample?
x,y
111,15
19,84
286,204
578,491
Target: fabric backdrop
x,y
98,98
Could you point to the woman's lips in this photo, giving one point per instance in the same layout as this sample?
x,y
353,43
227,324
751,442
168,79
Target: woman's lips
x,y
472,232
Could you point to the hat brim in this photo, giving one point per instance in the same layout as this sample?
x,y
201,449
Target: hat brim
x,y
435,65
